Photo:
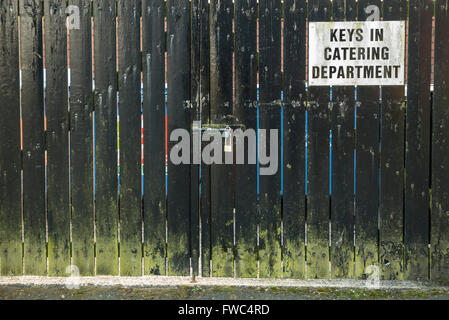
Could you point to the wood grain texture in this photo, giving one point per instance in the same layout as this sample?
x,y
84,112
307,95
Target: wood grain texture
x,y
295,100
417,158
56,104
129,70
178,105
205,190
270,119
105,100
440,155
195,142
81,141
246,115
343,143
392,167
318,166
221,104
155,213
367,170
35,255
10,159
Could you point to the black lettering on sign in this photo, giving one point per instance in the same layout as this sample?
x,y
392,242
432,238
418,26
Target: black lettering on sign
x,y
359,35
377,34
340,35
315,72
355,72
352,53
327,54
356,52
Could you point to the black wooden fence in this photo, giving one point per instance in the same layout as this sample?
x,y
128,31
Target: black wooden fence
x,y
371,198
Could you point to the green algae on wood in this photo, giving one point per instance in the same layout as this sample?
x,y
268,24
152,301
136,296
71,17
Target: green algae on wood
x,y
105,99
129,75
81,143
269,218
178,113
56,104
294,200
32,102
221,98
318,166
246,114
417,197
343,143
204,240
391,247
153,14
366,170
439,268
10,154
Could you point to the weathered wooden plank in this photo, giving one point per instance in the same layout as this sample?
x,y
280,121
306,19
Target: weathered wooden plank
x,y
195,116
81,136
270,119
129,70
204,69
367,168
318,165
416,215
105,99
392,167
343,143
10,160
56,104
293,212
33,137
246,115
440,154
155,212
222,180
178,105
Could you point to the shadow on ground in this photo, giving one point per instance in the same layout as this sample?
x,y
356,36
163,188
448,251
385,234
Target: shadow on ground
x,y
26,292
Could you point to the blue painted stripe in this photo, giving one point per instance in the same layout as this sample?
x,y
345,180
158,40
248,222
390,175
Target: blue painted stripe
x,y
257,143
282,143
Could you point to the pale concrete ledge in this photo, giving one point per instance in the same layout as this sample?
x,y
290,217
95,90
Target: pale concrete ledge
x,y
162,281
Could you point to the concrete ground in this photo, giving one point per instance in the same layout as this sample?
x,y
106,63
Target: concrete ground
x,y
169,288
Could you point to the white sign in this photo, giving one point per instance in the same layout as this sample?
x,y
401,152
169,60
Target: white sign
x,y
356,53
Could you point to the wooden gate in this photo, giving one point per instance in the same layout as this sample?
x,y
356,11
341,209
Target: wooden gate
x,y
361,189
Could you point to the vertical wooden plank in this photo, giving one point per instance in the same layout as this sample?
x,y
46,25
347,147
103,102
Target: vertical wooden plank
x,y
342,189
178,105
295,15
246,115
195,156
105,99
367,167
270,119
10,160
81,135
153,54
33,137
204,69
416,215
128,13
392,166
222,180
318,166
440,153
56,102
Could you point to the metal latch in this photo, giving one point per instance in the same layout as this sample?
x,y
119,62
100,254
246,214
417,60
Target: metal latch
x,y
226,131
